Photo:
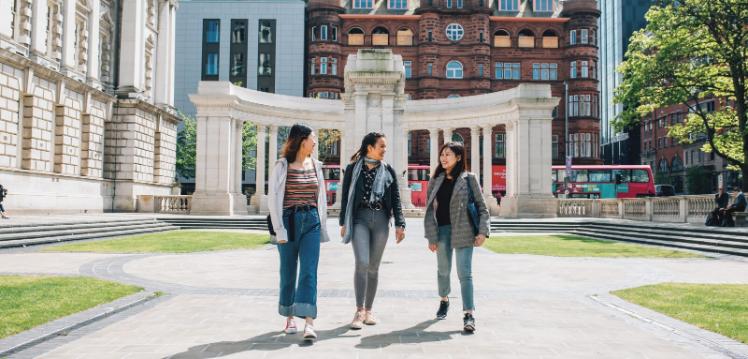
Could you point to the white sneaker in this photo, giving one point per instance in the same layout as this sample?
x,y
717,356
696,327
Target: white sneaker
x,y
290,327
370,319
309,333
358,320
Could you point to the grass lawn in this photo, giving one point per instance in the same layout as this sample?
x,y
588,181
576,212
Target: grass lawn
x,y
567,245
721,308
181,241
28,301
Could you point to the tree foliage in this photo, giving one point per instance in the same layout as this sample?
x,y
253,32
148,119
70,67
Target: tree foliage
x,y
689,51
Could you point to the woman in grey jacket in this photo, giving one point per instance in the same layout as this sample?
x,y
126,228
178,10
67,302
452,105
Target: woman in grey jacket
x,y
449,226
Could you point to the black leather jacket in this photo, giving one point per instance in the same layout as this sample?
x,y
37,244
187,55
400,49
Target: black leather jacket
x,y
391,199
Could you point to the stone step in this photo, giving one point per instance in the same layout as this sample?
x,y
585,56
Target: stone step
x,y
672,238
737,232
697,247
76,230
675,233
37,227
103,234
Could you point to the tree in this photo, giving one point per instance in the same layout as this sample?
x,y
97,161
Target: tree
x,y
689,51
187,146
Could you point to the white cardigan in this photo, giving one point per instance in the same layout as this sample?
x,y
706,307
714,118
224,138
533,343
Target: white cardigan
x,y
276,193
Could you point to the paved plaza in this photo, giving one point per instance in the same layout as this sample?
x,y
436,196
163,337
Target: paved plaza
x,y
224,304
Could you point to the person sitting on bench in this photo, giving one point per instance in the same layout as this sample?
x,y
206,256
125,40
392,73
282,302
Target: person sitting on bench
x,y
738,206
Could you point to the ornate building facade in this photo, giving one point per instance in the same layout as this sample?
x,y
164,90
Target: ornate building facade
x,y
86,103
454,48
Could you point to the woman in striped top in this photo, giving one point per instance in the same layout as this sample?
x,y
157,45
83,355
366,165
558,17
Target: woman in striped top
x,y
298,207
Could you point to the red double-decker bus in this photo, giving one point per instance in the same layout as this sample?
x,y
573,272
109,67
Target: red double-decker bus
x,y
603,181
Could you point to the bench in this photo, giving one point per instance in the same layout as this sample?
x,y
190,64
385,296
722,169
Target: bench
x,y
741,219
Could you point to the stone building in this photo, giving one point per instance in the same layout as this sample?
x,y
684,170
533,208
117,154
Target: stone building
x,y
453,48
86,103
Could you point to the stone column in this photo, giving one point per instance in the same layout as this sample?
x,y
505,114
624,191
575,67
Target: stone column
x,y
163,55
343,150
68,35
487,156
172,51
447,134
92,70
315,150
273,150
529,166
39,15
239,198
6,19
215,175
132,47
401,169
475,151
433,147
259,200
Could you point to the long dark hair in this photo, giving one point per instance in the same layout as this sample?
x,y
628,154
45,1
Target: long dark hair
x,y
297,134
459,150
369,140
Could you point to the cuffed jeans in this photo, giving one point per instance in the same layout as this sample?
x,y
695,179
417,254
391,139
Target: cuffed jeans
x,y
301,253
464,267
370,232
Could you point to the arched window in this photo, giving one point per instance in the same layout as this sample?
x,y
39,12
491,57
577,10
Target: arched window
x,y
456,137
454,70
380,37
355,37
676,164
662,167
404,37
550,39
526,39
501,38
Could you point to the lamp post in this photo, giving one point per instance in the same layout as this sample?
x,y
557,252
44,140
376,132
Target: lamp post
x,y
567,156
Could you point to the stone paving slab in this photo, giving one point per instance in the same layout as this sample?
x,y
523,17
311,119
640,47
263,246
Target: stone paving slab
x,y
223,304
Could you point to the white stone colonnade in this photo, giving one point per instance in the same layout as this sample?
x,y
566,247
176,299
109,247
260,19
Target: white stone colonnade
x,y
374,100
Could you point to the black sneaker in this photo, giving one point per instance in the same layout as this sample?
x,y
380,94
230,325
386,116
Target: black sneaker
x,y
469,323
441,314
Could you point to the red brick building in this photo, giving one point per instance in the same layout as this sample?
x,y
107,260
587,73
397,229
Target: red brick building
x,y
469,47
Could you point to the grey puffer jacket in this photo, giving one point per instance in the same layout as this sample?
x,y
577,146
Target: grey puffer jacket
x,y
462,230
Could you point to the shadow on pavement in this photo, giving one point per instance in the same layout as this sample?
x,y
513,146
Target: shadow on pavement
x,y
267,341
413,335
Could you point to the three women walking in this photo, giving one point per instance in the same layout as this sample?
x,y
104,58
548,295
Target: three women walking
x,y
370,197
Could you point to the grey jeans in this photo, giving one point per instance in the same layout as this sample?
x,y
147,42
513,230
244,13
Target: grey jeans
x,y
370,232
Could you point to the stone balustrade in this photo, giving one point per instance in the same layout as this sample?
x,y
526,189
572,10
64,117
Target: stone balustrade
x,y
165,204
692,209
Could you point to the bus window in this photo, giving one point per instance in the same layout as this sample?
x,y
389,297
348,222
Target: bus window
x,y
561,175
554,176
602,176
578,176
639,176
621,176
331,173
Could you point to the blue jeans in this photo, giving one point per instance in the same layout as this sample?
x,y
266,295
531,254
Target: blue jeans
x,y
464,267
300,253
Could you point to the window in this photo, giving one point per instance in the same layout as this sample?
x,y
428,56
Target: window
x,y
501,39
584,37
480,70
454,70
313,66
333,66
355,37
211,65
481,37
13,10
266,32
585,69
573,37
323,33
264,67
600,176
323,66
554,146
238,33
429,36
509,5
499,149
526,39
397,4
544,72
334,33
455,32
550,40
238,53
363,4
380,37
212,31
430,69
459,4
408,69
543,6
404,37
573,70
449,4
314,33
237,64
507,71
